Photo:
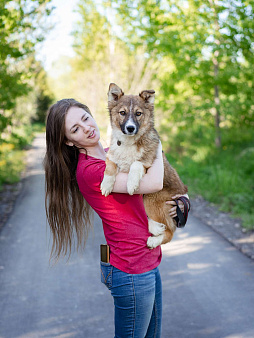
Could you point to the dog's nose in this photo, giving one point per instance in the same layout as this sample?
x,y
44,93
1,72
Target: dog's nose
x,y
130,129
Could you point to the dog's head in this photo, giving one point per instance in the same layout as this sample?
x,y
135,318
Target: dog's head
x,y
132,113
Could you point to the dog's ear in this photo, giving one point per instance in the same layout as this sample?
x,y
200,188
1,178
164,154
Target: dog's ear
x,y
114,92
148,95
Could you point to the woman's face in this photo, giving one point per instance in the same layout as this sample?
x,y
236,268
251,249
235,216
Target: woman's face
x,y
81,129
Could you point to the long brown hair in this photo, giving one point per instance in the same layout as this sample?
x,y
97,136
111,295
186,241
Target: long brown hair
x,y
68,213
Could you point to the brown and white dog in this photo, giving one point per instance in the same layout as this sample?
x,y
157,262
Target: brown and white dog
x,y
133,148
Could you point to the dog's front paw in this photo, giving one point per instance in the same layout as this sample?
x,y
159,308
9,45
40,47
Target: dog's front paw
x,y
154,241
107,184
136,172
132,185
156,228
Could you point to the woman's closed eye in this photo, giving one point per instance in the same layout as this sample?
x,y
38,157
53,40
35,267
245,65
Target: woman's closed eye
x,y
84,118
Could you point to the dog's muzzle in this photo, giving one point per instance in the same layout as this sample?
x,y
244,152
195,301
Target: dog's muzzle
x,y
129,129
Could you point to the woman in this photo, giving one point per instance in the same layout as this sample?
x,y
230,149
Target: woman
x,y
74,168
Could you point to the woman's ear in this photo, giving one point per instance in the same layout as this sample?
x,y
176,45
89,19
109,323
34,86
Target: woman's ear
x,y
69,143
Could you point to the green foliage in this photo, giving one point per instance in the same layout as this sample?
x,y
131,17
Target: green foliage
x,y
11,166
4,122
101,58
91,34
44,96
21,27
24,93
12,152
224,177
43,102
23,88
201,46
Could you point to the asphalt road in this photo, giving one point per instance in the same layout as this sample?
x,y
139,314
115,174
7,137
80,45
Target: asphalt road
x,y
208,285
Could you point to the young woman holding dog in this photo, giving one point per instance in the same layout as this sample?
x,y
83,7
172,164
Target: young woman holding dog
x,y
74,168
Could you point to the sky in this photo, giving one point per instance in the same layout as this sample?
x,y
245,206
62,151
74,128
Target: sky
x,y
59,40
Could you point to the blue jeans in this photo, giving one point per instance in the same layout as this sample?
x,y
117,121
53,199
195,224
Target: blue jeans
x,y
137,299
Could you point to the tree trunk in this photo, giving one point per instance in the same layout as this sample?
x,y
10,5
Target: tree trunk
x,y
214,4
217,106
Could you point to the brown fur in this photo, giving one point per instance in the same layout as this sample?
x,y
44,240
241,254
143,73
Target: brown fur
x,y
129,111
155,205
111,168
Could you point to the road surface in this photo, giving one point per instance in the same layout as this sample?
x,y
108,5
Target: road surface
x,y
208,285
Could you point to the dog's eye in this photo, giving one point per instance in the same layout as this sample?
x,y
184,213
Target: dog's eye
x,y
138,113
122,112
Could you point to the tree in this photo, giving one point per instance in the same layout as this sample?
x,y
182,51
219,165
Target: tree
x,y
44,96
101,57
22,26
208,49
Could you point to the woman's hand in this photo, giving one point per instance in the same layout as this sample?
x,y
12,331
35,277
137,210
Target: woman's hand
x,y
172,212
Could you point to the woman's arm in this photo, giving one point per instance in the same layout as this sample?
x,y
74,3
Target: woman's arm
x,y
151,182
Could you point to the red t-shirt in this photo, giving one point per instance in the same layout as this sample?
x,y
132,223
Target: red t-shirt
x,y
123,217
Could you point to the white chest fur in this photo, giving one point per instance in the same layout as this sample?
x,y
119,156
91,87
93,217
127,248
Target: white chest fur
x,y
124,151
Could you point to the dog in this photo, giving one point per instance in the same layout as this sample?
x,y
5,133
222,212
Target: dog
x,y
133,148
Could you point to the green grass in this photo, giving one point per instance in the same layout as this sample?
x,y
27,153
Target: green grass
x,y
12,152
224,177
11,166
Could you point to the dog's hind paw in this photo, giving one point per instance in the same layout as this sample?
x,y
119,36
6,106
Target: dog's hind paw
x,y
156,228
107,185
154,241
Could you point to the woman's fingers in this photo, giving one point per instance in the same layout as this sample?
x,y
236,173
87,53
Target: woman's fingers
x,y
172,211
171,202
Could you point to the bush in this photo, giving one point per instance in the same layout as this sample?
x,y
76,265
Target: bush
x,y
12,153
224,177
